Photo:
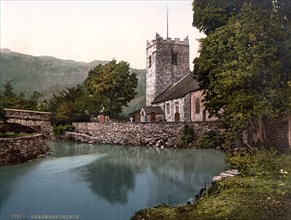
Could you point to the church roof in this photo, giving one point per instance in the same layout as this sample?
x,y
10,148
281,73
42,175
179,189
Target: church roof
x,y
178,90
150,109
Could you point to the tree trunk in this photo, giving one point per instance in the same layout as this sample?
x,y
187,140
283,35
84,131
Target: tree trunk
x,y
289,130
262,137
256,132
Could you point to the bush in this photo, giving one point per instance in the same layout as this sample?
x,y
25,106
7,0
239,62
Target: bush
x,y
61,129
79,117
260,163
211,139
187,137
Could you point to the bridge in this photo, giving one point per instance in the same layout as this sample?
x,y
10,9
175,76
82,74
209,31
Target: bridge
x,y
39,121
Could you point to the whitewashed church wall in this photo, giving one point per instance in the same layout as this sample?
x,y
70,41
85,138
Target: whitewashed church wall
x,y
171,110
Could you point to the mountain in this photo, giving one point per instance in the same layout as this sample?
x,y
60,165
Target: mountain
x,y
47,74
44,74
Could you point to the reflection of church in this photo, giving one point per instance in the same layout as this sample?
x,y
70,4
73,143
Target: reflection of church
x,y
171,92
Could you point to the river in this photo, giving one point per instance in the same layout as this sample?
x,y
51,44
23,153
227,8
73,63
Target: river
x,y
82,181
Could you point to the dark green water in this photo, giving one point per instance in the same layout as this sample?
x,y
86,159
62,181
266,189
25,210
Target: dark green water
x,y
82,181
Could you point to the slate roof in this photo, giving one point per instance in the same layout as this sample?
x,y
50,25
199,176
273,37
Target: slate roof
x,y
156,109
178,90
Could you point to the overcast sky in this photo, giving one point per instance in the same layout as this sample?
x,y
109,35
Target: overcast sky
x,y
94,30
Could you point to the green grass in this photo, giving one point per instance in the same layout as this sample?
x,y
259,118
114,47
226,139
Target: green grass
x,y
13,134
261,191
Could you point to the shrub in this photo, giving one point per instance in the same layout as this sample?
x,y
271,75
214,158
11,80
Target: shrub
x,y
61,129
187,137
79,117
211,139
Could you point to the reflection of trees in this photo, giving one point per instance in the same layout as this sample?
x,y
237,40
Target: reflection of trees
x,y
110,179
176,172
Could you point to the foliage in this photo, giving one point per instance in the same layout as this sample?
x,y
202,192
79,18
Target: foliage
x,y
212,14
243,68
62,104
50,74
107,90
188,136
114,84
10,99
211,139
61,129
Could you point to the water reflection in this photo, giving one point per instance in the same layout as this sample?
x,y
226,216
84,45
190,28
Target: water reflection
x,y
10,176
110,179
104,182
173,176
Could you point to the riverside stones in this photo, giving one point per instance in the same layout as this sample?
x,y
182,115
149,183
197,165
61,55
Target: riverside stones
x,y
225,174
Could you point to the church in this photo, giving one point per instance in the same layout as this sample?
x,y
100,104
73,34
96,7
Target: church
x,y
172,94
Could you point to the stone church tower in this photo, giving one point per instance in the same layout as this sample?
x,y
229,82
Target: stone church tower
x,y
167,62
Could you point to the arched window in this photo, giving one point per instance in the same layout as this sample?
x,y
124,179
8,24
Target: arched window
x,y
197,106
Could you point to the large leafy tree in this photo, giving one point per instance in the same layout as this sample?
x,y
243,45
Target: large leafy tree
x,y
106,90
113,84
244,63
211,14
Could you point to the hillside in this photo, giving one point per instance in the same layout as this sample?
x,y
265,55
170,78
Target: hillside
x,y
47,74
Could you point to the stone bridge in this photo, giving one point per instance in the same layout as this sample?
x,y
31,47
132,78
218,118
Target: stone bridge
x,y
39,121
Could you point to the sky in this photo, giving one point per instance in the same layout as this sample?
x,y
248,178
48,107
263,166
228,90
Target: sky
x,y
94,30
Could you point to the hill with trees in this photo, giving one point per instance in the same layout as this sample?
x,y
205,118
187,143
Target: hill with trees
x,y
47,75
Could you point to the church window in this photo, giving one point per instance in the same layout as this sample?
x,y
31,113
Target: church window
x,y
168,108
197,106
177,107
150,61
174,58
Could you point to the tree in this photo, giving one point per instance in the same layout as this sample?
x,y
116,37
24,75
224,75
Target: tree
x,y
63,106
244,67
212,14
113,84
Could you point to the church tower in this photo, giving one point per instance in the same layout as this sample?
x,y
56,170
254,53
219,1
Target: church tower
x,y
167,61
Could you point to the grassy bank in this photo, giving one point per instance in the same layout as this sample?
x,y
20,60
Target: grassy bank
x,y
261,191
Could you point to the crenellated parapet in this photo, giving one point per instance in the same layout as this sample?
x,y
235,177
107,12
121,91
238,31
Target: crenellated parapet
x,y
158,39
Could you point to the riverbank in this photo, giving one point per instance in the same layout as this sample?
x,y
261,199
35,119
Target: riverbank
x,y
261,191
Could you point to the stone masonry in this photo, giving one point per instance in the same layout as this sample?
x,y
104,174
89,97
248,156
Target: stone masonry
x,y
167,62
39,121
137,134
17,150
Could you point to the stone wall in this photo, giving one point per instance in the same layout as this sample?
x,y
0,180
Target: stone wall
x,y
17,150
147,134
39,121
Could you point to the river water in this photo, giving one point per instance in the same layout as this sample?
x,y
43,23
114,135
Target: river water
x,y
82,181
